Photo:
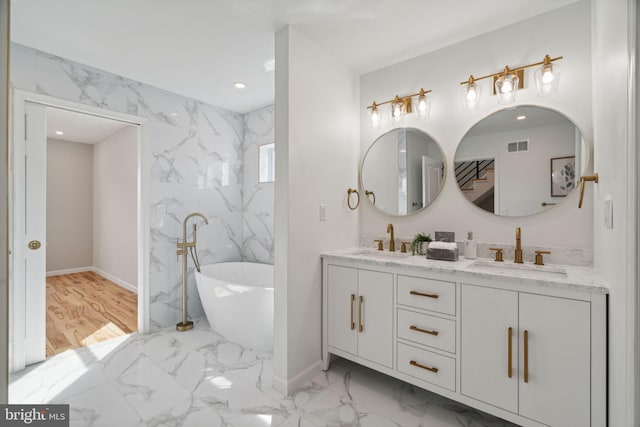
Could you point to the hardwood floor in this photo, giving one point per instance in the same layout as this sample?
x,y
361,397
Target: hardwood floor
x,y
85,308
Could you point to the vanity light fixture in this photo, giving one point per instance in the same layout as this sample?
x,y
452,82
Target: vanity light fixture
x,y
401,107
508,81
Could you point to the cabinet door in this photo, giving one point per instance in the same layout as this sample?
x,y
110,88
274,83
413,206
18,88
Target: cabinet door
x,y
486,316
375,342
342,285
558,389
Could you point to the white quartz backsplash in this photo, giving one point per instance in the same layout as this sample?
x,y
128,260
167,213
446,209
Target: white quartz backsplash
x,y
565,256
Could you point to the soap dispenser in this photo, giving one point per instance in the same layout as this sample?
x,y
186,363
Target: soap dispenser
x,y
470,247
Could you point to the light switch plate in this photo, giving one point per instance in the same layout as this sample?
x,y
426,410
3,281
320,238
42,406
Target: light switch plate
x,y
608,213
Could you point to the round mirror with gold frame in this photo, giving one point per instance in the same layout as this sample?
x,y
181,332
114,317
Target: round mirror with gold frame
x,y
403,171
520,161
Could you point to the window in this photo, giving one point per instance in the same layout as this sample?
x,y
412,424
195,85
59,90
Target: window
x,y
267,162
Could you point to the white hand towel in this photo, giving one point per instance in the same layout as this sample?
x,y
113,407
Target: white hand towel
x,y
443,245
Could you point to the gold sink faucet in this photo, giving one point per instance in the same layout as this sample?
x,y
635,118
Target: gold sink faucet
x,y
518,254
392,242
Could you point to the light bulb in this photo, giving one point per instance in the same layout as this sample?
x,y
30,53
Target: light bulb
x,y
506,86
375,116
547,76
397,110
472,93
422,104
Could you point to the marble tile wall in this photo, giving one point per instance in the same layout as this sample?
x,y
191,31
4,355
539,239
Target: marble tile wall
x,y
258,197
196,162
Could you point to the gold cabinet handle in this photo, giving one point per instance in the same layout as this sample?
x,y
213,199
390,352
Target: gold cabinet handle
x,y
526,356
423,294
424,331
360,325
428,368
584,179
353,300
510,353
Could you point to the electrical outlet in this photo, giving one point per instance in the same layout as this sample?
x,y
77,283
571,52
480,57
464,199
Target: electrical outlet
x,y
608,213
323,212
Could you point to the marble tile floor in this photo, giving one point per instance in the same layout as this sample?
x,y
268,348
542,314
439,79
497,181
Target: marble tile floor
x,y
199,379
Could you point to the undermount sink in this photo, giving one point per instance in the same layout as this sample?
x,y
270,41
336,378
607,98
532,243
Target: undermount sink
x,y
379,254
542,271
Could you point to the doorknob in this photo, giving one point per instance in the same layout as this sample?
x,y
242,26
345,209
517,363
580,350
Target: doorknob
x,y
34,244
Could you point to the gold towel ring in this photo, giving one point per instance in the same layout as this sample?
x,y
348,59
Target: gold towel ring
x,y
370,193
349,191
584,179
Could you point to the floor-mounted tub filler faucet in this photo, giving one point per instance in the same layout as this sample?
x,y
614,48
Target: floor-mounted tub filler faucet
x,y
184,248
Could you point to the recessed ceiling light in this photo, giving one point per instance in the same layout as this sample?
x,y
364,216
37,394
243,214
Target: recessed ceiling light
x,y
239,85
521,117
59,132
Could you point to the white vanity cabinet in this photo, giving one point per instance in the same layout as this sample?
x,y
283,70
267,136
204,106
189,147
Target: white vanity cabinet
x,y
527,353
359,313
528,350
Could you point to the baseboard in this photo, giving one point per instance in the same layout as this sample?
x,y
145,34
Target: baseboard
x,y
291,386
115,280
69,271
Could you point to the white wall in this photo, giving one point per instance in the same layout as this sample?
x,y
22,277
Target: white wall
x,y
565,32
115,212
4,197
317,132
615,250
69,205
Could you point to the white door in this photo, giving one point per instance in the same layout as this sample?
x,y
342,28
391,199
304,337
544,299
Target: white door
x,y
375,315
342,325
489,337
557,391
35,187
431,179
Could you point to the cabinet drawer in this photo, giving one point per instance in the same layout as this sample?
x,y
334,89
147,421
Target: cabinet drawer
x,y
421,364
427,330
427,294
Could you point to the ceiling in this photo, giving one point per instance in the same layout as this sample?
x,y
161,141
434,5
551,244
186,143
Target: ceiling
x,y
79,127
199,48
507,120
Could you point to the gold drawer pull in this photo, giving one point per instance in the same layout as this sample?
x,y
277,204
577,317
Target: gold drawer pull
x,y
423,294
360,325
428,368
424,331
353,300
526,356
510,353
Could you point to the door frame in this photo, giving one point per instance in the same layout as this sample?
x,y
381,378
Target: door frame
x,y
17,241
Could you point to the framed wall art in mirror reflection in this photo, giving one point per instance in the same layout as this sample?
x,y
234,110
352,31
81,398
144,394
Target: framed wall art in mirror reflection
x,y
267,162
563,175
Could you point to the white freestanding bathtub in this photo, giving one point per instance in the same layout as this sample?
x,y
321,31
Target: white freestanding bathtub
x,y
238,301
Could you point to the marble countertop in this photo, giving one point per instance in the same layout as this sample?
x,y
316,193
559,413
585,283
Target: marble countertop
x,y
548,275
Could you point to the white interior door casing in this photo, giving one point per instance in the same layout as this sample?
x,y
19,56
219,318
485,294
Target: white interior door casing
x,y
35,186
